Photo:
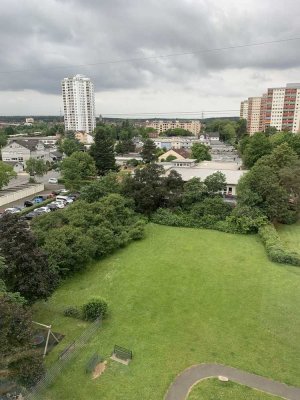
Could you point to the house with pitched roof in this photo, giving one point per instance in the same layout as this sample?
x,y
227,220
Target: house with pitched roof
x,y
179,154
21,150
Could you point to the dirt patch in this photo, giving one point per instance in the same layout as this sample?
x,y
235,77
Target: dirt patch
x,y
99,369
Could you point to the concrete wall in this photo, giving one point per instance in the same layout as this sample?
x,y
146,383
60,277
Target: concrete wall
x,y
12,196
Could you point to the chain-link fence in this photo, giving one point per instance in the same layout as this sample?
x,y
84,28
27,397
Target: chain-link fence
x,y
64,357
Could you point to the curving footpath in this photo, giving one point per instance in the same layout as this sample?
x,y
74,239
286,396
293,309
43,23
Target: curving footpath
x,y
181,387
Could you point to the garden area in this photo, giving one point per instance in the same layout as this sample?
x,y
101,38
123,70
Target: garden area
x,y
180,297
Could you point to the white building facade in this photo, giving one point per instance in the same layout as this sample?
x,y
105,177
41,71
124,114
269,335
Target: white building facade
x,y
79,104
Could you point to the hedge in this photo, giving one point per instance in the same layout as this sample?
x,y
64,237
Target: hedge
x,y
275,249
27,210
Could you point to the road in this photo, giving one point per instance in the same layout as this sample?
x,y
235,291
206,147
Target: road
x,y
24,178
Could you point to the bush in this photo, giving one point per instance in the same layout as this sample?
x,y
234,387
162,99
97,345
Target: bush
x,y
275,248
73,312
137,231
95,308
29,369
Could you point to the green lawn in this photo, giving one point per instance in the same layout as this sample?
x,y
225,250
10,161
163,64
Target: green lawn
x,y
177,298
212,389
290,235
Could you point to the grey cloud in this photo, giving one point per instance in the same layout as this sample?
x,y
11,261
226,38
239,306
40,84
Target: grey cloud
x,y
37,36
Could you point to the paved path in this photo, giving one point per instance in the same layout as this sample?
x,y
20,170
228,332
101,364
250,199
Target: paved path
x,y
182,385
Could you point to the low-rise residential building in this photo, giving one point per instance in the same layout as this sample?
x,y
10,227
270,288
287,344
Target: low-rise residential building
x,y
194,126
21,150
180,154
203,170
84,137
176,142
122,160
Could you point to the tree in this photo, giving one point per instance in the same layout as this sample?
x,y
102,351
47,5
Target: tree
x,y
258,146
272,185
200,152
215,182
18,359
228,133
27,270
96,190
125,146
102,151
3,139
146,188
6,174
213,206
36,167
177,132
77,168
148,152
171,158
173,184
194,191
241,128
70,146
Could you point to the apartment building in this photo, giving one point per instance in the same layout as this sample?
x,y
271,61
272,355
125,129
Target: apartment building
x,y
176,142
194,126
254,115
20,150
279,108
79,104
244,110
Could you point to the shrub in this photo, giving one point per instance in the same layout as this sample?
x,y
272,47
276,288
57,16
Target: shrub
x,y
275,248
95,308
137,231
29,369
73,312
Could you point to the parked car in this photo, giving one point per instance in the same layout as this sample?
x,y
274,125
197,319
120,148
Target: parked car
x,y
52,207
35,200
53,180
42,210
74,196
12,210
59,204
30,215
63,191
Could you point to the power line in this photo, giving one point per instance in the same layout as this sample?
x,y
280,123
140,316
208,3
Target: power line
x,y
201,51
173,112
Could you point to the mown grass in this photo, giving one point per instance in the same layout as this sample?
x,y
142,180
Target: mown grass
x,y
290,236
212,389
177,298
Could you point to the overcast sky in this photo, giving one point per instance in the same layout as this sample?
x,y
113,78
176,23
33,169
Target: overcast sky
x,y
37,37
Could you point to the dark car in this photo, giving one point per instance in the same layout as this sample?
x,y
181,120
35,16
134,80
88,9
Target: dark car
x,y
35,200
30,215
74,196
52,207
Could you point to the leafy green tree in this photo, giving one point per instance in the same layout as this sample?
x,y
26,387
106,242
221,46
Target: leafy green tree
x,y
102,151
270,130
148,152
26,270
215,182
18,359
194,191
200,152
177,132
241,129
77,169
124,146
9,130
258,146
228,133
171,158
173,185
6,174
146,188
70,146
3,139
268,187
102,187
36,167
214,206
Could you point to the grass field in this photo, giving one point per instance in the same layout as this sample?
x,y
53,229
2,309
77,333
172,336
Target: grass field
x,y
177,298
212,389
290,235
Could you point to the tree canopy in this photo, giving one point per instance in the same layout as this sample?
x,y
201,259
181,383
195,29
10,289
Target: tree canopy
x,y
6,174
36,167
149,151
102,151
77,169
200,152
